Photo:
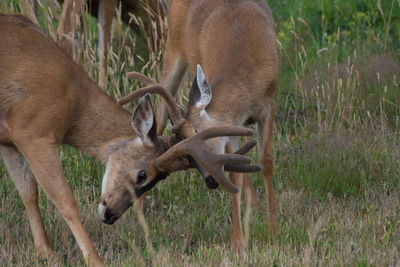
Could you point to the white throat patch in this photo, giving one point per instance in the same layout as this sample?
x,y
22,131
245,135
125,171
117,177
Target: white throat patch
x,y
106,176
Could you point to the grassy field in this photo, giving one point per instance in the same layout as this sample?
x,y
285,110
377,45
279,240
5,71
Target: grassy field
x,y
336,149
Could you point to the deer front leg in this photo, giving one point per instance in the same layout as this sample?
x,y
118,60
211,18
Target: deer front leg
x,y
237,233
238,242
42,156
173,70
265,134
140,203
25,183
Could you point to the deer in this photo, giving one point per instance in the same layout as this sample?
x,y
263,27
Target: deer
x,y
47,99
104,10
231,47
31,11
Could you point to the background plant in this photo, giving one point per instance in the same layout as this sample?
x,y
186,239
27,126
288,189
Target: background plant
x,y
336,150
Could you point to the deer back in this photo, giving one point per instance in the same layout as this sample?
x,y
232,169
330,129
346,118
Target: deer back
x,y
44,92
235,44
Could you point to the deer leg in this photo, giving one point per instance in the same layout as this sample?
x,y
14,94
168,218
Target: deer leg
x,y
173,70
25,183
237,232
249,190
238,242
43,159
66,28
105,17
265,129
139,203
32,6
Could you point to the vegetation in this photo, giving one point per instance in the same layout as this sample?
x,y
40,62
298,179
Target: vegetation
x,y
336,148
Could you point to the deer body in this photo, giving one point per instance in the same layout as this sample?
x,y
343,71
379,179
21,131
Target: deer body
x,y
48,102
234,42
46,99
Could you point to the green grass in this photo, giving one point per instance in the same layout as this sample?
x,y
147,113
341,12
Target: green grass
x,y
336,148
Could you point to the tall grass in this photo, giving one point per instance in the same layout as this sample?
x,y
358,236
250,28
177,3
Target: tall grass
x,y
336,148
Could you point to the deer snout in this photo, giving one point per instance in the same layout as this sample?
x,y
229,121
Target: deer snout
x,y
106,215
112,206
104,211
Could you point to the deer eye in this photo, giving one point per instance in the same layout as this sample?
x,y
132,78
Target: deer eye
x,y
141,176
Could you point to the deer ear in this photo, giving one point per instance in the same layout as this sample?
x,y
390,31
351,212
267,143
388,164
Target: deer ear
x,y
200,94
143,120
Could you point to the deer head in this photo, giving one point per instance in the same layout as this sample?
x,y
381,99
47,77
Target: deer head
x,y
185,127
130,167
151,159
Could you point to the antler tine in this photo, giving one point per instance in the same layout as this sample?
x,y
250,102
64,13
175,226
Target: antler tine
x,y
173,107
212,163
248,168
246,148
140,77
185,163
244,167
225,131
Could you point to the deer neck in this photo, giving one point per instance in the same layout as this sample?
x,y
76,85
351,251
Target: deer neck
x,y
101,124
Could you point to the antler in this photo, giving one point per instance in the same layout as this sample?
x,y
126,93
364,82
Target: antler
x,y
155,88
192,145
140,77
212,163
187,162
244,167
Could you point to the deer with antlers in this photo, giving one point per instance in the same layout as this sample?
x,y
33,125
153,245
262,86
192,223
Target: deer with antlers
x,y
234,42
46,99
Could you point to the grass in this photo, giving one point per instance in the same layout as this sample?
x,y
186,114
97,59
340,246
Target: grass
x,y
336,148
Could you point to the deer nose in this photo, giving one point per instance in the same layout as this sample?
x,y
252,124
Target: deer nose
x,y
105,213
101,209
109,217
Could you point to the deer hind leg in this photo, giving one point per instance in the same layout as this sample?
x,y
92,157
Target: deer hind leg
x,y
25,183
173,70
265,131
43,159
238,242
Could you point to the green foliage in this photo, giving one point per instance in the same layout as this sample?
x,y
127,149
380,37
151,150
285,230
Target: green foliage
x,y
336,149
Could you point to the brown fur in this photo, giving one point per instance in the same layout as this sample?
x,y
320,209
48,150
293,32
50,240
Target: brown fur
x,y
46,99
235,44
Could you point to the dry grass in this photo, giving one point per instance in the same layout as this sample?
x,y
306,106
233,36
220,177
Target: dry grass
x,y
336,169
